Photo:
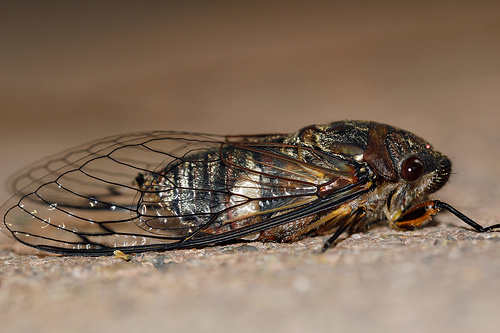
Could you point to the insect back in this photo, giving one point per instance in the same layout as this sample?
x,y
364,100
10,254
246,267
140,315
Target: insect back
x,y
168,190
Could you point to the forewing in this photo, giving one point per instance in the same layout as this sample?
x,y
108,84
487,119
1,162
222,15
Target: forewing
x,y
85,199
161,190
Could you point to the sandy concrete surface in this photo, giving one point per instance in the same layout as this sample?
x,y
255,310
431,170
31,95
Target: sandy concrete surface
x,y
72,73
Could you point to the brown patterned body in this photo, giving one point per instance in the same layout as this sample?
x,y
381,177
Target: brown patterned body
x,y
169,190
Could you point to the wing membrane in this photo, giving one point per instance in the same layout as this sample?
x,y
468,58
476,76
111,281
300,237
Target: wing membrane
x,y
163,190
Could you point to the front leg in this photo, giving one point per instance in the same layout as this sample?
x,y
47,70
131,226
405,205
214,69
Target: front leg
x,y
415,216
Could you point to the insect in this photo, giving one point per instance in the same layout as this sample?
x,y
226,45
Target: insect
x,y
169,190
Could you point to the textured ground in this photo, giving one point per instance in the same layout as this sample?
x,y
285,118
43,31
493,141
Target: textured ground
x,y
73,74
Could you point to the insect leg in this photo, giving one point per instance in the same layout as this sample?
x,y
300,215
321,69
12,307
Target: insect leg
x,y
336,235
418,214
444,205
359,212
415,216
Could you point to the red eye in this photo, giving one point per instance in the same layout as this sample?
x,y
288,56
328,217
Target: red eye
x,y
412,169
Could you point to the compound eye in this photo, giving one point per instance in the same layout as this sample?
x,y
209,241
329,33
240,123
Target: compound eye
x,y
412,169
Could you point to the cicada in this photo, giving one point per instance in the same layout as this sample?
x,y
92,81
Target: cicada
x,y
169,190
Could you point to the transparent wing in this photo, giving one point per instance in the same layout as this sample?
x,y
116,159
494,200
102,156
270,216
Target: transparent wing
x,y
165,190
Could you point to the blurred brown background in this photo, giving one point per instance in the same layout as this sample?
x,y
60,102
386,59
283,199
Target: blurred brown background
x,y
72,72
